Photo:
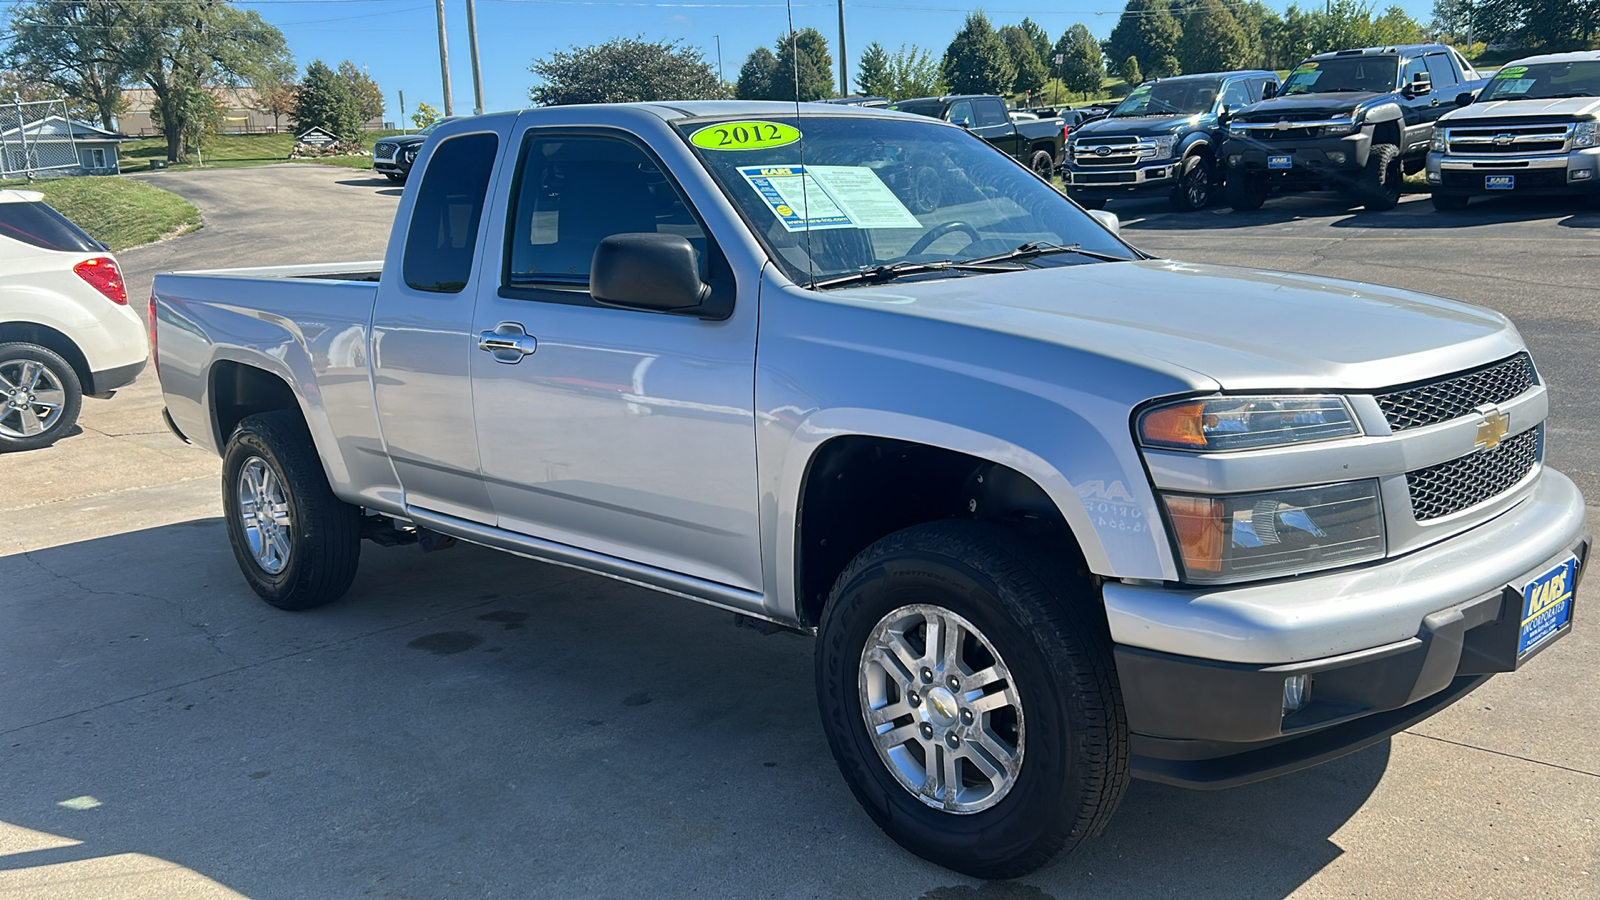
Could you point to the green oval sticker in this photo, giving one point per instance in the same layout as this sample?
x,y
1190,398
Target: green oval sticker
x,y
752,135
1511,71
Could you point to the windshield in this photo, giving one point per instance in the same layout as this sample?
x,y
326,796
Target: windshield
x,y
1545,81
836,195
1355,73
1168,98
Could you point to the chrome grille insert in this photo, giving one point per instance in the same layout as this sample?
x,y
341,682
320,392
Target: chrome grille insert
x,y
383,151
1457,395
1462,483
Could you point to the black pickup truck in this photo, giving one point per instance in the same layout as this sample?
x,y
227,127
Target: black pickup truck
x,y
1162,137
1354,121
1037,145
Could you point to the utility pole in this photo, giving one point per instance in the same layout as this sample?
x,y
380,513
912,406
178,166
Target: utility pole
x,y
844,78
472,44
403,111
444,62
721,79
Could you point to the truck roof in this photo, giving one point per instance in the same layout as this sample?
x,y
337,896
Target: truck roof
x,y
1208,75
1574,56
1392,50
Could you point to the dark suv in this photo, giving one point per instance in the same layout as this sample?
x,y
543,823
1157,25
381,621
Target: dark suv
x,y
1162,137
1353,120
393,156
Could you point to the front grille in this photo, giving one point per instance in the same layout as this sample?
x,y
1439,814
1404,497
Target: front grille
x,y
1463,483
383,151
1457,395
1520,140
1105,178
1124,151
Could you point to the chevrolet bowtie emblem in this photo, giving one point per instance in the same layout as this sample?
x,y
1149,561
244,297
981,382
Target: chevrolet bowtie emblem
x,y
1492,430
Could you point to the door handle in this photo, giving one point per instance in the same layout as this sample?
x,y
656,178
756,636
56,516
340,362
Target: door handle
x,y
508,343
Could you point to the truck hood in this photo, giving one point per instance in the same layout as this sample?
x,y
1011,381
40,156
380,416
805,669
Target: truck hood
x,y
1135,126
1564,108
1218,325
1301,105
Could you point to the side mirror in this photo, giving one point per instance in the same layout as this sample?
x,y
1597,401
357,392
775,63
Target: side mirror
x,y
1269,90
963,122
1421,83
1109,220
1465,99
1224,114
651,272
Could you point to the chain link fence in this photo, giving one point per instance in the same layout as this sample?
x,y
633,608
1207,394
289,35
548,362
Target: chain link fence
x,y
36,139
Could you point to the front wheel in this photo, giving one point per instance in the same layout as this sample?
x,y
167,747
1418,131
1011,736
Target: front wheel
x,y
1246,191
40,396
1381,180
970,698
1196,181
296,543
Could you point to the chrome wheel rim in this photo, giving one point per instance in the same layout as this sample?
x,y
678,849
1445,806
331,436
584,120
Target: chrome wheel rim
x,y
31,398
941,708
264,515
1199,187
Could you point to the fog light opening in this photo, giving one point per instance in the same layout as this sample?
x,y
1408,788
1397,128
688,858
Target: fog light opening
x,y
1296,692
1233,160
1433,177
1336,158
1581,174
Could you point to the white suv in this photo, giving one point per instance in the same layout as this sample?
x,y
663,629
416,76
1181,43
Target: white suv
x,y
65,326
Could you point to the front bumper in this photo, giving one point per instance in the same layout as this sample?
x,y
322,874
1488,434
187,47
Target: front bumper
x,y
1384,646
1577,172
1312,160
1097,182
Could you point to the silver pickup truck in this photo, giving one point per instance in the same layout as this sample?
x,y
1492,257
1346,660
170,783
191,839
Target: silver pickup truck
x,y
1058,513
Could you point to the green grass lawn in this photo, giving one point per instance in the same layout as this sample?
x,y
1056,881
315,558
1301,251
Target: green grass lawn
x,y
223,151
117,212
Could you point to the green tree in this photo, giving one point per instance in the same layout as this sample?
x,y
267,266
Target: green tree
x,y
324,100
1396,26
1041,39
1130,71
805,68
425,115
1147,30
872,73
1083,66
755,76
624,70
977,62
1212,39
71,46
1031,74
913,72
367,94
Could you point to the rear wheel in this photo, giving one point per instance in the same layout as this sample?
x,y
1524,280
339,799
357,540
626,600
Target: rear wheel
x,y
40,396
970,698
1381,181
1196,181
296,543
1246,191
1450,202
1043,164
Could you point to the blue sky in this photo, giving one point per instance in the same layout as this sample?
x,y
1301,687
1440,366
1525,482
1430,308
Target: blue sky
x,y
397,40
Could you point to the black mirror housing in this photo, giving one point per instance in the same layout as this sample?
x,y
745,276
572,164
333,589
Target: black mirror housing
x,y
1465,99
650,272
1269,90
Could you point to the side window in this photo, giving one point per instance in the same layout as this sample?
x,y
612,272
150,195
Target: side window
x,y
1440,70
1414,67
1258,88
444,223
961,111
574,191
1236,95
990,112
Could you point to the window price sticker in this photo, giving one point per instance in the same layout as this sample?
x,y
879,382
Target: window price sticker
x,y
822,197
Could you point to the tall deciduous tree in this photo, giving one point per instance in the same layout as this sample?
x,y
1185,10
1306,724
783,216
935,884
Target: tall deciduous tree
x,y
1148,31
73,47
624,70
1030,70
1083,65
872,73
913,72
976,62
278,97
805,68
755,76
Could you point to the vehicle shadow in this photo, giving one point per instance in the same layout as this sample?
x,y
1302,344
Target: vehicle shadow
x,y
503,727
1414,212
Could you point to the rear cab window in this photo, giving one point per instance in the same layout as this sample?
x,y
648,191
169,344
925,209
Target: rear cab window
x,y
38,225
443,238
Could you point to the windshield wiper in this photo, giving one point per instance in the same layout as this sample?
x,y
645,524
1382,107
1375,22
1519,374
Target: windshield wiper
x,y
1567,96
1035,249
882,274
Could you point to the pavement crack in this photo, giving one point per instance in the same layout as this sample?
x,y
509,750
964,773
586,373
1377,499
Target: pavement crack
x,y
1537,762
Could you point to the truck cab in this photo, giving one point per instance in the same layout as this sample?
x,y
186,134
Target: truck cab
x,y
1037,145
1162,138
1534,129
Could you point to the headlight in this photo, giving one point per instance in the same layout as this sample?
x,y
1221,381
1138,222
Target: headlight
x,y
1238,131
1164,145
1246,423
1587,134
1338,130
410,154
1438,141
1248,536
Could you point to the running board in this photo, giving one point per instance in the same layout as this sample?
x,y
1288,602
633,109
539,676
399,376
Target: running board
x,y
711,593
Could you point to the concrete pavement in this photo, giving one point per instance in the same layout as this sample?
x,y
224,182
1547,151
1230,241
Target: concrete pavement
x,y
467,724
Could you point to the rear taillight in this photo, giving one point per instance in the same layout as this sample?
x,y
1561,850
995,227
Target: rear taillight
x,y
102,273
1066,133
154,356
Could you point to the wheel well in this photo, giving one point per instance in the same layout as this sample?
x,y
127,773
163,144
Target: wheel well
x,y
48,337
238,390
1200,148
1046,146
859,489
1386,133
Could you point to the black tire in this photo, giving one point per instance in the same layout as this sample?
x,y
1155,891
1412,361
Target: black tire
x,y
1048,628
1450,202
1246,192
1043,164
1090,202
1197,182
324,532
18,400
395,177
1381,181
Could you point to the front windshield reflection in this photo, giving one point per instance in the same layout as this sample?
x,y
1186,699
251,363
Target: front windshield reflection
x,y
1168,98
836,195
1367,74
1546,81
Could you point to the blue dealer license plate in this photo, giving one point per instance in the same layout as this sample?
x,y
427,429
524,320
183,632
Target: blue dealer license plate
x,y
1546,605
1499,182
1280,162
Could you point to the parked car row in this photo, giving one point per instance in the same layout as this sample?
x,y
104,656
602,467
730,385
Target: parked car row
x,y
1353,121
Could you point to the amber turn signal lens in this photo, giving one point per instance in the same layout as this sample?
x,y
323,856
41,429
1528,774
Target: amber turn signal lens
x,y
1175,426
1198,526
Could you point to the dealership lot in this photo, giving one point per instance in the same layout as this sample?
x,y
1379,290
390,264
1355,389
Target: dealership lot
x,y
466,724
